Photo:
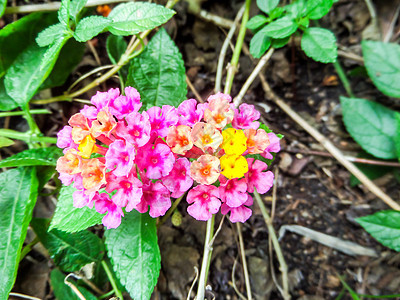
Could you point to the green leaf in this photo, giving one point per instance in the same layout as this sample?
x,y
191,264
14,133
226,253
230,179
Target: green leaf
x,y
6,103
18,193
276,13
70,251
63,291
89,27
135,255
116,46
319,44
75,7
297,8
267,5
280,28
259,44
256,22
397,135
316,9
384,226
279,43
382,61
50,34
71,219
3,4
33,157
159,73
44,174
5,142
63,13
134,17
371,125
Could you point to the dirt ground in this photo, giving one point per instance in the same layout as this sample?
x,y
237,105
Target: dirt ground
x,y
311,190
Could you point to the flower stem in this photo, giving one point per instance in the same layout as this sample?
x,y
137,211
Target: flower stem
x,y
26,136
343,78
21,113
112,280
205,265
170,211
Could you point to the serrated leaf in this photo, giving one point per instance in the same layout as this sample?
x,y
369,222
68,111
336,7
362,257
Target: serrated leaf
x,y
33,157
116,46
316,9
134,252
71,219
18,193
89,27
75,7
63,12
384,226
50,34
280,28
3,4
259,44
397,135
70,251
319,44
371,125
159,73
6,103
382,61
256,22
267,5
297,8
63,291
134,17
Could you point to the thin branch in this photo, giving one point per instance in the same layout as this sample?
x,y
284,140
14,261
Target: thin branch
x,y
73,287
243,256
196,271
241,296
217,20
193,89
23,296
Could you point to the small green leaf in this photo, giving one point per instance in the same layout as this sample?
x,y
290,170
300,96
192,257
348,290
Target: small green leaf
x,y
319,44
134,17
89,27
18,193
383,66
33,157
267,5
397,135
280,28
116,46
50,34
75,7
279,43
3,4
384,226
159,72
297,8
259,44
5,142
70,251
6,103
71,219
63,13
276,13
256,22
371,125
316,9
63,291
134,252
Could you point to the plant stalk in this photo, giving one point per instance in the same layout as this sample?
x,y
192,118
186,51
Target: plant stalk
x,y
22,113
170,211
343,78
112,280
26,137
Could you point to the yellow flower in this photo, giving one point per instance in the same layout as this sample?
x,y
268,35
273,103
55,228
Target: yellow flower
x,y
234,141
233,166
87,147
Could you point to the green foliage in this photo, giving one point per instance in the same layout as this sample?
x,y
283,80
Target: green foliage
x,y
6,103
5,142
89,27
319,44
69,218
3,4
281,28
135,255
18,192
33,157
50,34
259,44
316,9
159,73
371,125
70,251
116,46
397,136
382,61
134,17
267,5
63,13
75,8
384,226
256,22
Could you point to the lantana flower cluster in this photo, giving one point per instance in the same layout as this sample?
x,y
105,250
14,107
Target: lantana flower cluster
x,y
119,159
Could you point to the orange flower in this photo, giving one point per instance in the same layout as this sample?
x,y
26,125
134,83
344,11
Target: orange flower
x,y
70,163
219,112
104,124
179,139
93,175
206,136
206,169
257,140
104,10
80,127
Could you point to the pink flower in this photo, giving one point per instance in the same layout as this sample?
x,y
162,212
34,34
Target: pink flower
x,y
258,179
129,191
233,192
119,157
189,114
246,117
64,138
274,146
161,119
81,199
158,160
205,202
102,99
206,169
179,139
89,112
219,112
66,179
135,129
121,106
238,214
178,181
104,204
155,195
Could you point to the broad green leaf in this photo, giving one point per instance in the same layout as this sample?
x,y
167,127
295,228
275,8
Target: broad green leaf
x,y
134,17
116,46
89,27
267,5
280,28
44,174
51,55
50,34
259,44
71,219
75,7
397,135
384,226
319,44
63,13
33,157
5,142
276,13
279,43
134,252
297,8
3,4
6,103
316,9
382,61
70,251
256,22
371,125
63,291
18,193
159,73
